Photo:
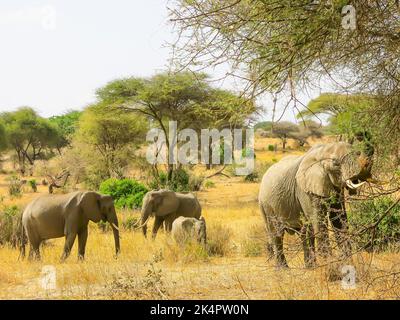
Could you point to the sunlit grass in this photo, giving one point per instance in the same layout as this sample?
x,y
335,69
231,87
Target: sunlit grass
x,y
161,269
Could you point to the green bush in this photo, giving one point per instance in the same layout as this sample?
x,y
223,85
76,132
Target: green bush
x,y
181,181
271,147
33,185
365,213
127,193
10,225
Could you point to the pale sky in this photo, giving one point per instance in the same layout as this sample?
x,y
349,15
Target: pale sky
x,y
55,53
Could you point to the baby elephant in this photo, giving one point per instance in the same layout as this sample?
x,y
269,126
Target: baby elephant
x,y
184,229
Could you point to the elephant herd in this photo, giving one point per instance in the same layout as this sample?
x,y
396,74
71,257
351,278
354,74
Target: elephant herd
x,y
68,215
299,194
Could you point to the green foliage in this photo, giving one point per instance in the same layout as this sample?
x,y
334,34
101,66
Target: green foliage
x,y
33,185
264,125
29,135
127,193
343,111
67,124
181,181
209,184
111,135
3,138
365,213
271,147
10,225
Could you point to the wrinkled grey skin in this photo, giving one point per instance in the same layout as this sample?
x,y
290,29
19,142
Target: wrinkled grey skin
x,y
184,229
166,206
296,196
55,216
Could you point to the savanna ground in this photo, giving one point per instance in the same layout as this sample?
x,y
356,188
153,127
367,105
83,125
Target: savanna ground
x,y
237,269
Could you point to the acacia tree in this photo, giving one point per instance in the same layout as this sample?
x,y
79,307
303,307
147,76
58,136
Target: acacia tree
x,y
277,46
307,128
285,130
184,97
29,135
111,135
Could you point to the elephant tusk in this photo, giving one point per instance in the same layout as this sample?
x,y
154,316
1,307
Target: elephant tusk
x,y
352,185
114,225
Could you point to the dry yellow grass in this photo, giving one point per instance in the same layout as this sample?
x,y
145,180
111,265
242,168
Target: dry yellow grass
x,y
161,270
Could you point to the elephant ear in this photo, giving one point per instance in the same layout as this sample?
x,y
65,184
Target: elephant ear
x,y
89,203
165,202
312,176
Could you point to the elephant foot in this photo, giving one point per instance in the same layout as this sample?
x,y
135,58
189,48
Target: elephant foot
x,y
281,265
310,262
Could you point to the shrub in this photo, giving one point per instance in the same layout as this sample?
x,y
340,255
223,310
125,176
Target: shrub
x,y
258,172
271,147
209,184
130,222
181,181
252,177
33,185
365,213
218,240
14,186
10,226
127,193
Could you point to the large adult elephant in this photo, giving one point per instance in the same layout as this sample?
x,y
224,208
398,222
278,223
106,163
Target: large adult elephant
x,y
301,193
166,206
55,216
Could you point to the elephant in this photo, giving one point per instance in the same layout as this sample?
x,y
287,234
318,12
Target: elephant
x,y
166,206
54,216
300,194
184,229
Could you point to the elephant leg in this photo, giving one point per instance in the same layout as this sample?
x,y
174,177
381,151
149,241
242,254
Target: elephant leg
x,y
157,224
306,234
34,252
278,246
69,242
169,220
269,229
338,218
34,248
320,224
82,238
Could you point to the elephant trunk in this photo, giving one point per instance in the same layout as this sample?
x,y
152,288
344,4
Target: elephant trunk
x,y
113,220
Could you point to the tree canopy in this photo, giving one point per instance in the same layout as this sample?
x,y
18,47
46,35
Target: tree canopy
x,y
29,135
276,46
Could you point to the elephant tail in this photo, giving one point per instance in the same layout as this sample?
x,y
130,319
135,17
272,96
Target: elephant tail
x,y
22,240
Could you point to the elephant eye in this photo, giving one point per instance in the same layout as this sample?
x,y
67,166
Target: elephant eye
x,y
336,163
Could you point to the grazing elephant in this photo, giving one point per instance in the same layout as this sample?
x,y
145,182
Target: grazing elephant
x,y
301,193
184,229
55,216
166,206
